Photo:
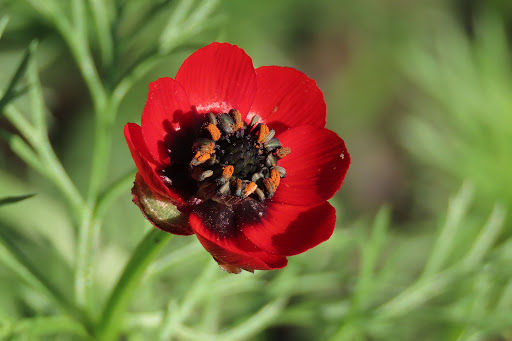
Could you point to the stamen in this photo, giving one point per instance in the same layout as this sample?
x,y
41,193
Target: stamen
x,y
224,189
214,131
256,176
275,177
204,153
269,186
249,189
227,171
281,170
271,160
272,144
239,124
260,194
226,123
270,135
205,174
200,158
255,120
263,133
199,174
238,191
282,152
235,160
212,118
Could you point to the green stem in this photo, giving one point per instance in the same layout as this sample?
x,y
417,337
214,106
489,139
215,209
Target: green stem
x,y
85,248
91,221
146,251
100,157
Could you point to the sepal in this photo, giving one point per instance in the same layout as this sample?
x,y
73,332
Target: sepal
x,y
159,210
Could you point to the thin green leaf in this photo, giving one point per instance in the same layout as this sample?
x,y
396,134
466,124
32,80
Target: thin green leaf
x,y
14,199
457,209
100,15
174,25
117,188
176,256
11,92
14,258
257,322
41,326
3,24
38,106
193,296
24,151
370,256
487,236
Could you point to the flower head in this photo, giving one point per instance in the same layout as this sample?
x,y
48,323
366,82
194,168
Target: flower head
x,y
243,154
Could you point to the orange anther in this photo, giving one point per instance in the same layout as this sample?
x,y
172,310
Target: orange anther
x,y
263,133
282,152
227,171
274,177
214,131
239,124
269,185
203,157
250,188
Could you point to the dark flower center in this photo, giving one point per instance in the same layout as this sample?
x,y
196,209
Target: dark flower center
x,y
233,161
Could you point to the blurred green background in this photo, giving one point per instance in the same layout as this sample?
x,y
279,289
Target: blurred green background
x,y
421,92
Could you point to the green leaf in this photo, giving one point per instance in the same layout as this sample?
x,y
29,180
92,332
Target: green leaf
x,y
446,240
14,199
12,92
3,25
370,257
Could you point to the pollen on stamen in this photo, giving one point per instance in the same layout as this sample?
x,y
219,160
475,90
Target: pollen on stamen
x,y
263,133
275,177
239,124
250,188
282,152
227,171
214,131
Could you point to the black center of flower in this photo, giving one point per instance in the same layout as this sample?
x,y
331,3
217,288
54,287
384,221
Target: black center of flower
x,y
232,160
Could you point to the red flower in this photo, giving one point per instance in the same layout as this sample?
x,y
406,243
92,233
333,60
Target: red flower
x,y
244,156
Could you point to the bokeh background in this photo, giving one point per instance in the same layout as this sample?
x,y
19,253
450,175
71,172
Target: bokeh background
x,y
421,92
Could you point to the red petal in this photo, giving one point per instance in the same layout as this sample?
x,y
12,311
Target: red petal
x,y
315,168
287,98
166,105
219,77
145,163
227,257
289,230
217,227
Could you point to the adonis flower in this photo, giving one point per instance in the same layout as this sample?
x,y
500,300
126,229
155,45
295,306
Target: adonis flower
x,y
243,154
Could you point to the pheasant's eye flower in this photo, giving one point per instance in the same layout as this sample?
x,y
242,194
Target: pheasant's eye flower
x,y
243,154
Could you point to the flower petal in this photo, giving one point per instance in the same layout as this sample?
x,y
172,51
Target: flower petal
x,y
166,107
287,98
289,230
146,164
217,227
219,77
315,168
